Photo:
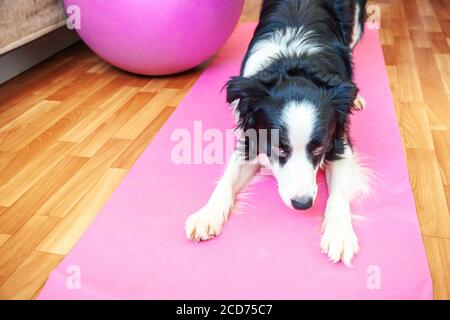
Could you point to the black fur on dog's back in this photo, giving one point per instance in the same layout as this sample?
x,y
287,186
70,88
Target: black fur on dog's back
x,y
333,20
324,77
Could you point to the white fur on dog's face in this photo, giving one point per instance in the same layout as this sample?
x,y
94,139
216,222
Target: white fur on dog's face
x,y
297,176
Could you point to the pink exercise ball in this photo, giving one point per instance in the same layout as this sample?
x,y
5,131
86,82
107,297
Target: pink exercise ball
x,y
155,37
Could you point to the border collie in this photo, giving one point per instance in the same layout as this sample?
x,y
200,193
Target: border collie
x,y
296,78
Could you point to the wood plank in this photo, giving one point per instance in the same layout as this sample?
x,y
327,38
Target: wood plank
x,y
15,216
26,178
404,52
447,195
67,233
431,205
427,71
415,127
386,37
85,85
133,152
5,159
79,108
438,253
438,103
29,276
20,245
13,111
182,93
443,65
27,117
67,196
425,8
409,87
133,128
4,238
92,143
435,122
100,67
442,143
156,84
431,24
19,138
438,43
87,125
414,20
389,55
420,39
439,9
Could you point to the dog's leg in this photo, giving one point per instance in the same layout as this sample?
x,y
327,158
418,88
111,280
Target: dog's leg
x,y
208,222
339,241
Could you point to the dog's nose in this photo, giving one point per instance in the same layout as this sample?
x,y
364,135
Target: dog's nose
x,y
302,203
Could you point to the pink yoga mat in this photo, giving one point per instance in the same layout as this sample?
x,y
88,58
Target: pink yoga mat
x,y
136,247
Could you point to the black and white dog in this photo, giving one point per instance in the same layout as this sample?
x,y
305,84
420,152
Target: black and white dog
x,y
297,78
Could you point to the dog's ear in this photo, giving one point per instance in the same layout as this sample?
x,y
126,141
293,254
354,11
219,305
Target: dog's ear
x,y
245,89
243,93
342,97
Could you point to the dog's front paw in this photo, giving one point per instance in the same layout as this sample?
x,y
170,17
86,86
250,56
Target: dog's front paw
x,y
339,240
204,225
359,103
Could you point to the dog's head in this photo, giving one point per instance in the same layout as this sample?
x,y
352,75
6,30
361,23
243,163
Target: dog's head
x,y
303,116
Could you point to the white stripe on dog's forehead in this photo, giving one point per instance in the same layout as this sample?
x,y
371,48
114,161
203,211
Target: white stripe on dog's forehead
x,y
299,119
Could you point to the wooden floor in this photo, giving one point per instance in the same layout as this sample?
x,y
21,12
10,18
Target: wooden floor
x,y
72,127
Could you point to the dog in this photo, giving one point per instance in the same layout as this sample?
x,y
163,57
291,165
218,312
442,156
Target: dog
x,y
296,79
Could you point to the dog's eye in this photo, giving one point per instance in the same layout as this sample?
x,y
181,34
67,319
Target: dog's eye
x,y
318,151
